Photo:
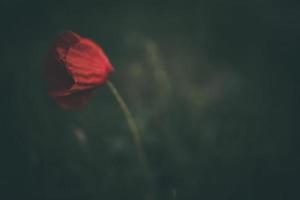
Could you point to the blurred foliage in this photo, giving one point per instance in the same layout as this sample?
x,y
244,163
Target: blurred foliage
x,y
212,85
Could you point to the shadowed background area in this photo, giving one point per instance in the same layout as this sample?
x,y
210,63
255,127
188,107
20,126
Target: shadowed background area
x,y
212,85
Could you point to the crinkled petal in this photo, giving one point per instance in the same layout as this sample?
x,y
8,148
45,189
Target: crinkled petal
x,y
74,67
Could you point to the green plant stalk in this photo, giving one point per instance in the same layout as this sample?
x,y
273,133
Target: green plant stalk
x,y
136,134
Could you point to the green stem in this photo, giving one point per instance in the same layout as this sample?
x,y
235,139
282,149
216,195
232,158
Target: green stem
x,y
131,122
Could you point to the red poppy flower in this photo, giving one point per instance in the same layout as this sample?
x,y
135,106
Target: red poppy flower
x,y
74,67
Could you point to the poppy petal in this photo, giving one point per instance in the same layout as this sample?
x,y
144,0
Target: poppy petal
x,y
74,67
75,100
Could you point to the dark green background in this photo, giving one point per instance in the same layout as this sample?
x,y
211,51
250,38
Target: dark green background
x,y
212,85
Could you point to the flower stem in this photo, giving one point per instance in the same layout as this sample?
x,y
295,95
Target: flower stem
x,y
131,123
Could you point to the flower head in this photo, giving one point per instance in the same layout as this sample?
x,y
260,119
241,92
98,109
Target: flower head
x,y
74,67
